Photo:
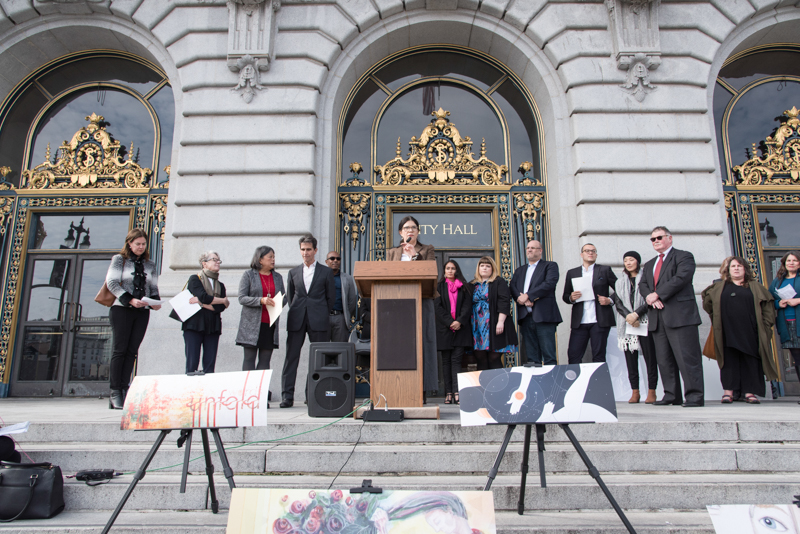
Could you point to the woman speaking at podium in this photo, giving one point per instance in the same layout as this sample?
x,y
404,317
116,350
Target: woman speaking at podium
x,y
410,249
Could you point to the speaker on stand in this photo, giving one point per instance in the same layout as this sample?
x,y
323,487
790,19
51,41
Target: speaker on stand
x,y
331,379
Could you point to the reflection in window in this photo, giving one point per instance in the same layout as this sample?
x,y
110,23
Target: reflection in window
x,y
41,346
761,65
779,229
407,116
358,125
91,354
164,104
721,99
48,290
105,231
446,64
108,69
93,275
126,118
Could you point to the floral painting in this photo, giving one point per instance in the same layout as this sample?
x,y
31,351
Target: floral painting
x,y
216,400
294,511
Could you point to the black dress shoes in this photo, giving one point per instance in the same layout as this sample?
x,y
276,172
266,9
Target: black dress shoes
x,y
286,403
667,402
693,404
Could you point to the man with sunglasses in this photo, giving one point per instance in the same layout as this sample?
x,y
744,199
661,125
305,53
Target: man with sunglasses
x,y
346,299
667,286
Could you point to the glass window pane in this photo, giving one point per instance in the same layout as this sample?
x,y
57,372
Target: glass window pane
x,y
118,70
105,231
779,229
753,117
93,275
522,129
91,354
164,104
721,99
449,64
48,290
471,115
358,126
750,68
41,346
15,131
127,120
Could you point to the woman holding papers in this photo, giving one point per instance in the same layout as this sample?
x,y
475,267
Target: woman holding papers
x,y
453,309
258,326
632,307
786,291
131,277
742,314
493,330
202,330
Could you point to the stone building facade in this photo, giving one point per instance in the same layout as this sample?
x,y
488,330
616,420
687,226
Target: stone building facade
x,y
619,99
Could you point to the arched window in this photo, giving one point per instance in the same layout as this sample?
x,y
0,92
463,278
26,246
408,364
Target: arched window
x,y
132,94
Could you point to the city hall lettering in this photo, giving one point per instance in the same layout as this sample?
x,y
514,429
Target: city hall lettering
x,y
431,229
451,229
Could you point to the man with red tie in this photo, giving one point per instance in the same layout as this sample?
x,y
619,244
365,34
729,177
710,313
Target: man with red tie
x,y
673,320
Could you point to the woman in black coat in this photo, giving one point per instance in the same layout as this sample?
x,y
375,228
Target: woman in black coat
x,y
202,330
453,309
492,327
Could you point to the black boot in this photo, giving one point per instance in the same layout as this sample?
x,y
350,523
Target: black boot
x,y
115,400
124,395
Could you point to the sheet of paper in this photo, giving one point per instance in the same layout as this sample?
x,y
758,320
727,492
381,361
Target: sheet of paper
x,y
786,292
151,302
584,285
275,311
180,303
19,428
640,330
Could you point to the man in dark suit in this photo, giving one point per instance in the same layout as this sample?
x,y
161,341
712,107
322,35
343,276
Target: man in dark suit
x,y
533,286
591,319
311,293
673,318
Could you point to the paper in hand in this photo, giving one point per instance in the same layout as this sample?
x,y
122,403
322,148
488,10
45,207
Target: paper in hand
x,y
151,302
786,292
180,303
640,330
19,428
584,285
275,311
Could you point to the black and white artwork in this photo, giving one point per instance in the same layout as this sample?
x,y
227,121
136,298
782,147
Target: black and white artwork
x,y
563,394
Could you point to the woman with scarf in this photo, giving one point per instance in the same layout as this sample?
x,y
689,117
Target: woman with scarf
x,y
202,330
453,309
632,307
131,277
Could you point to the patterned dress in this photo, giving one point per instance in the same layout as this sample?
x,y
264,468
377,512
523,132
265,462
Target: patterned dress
x,y
481,333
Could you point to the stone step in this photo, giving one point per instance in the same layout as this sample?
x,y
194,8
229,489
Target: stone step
x,y
449,430
470,458
563,492
175,522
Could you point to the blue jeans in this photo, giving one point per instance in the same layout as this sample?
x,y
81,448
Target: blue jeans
x,y
540,341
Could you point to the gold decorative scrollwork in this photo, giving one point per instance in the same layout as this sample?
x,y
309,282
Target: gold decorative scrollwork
x,y
5,185
89,160
6,208
525,169
355,179
158,214
440,156
528,207
780,161
354,207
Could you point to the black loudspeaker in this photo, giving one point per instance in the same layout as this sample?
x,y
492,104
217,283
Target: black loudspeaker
x,y
331,379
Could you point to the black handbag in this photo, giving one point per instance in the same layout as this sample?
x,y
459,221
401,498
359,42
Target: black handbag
x,y
30,491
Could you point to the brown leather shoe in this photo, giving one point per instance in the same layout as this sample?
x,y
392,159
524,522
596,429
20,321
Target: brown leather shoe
x,y
634,397
651,397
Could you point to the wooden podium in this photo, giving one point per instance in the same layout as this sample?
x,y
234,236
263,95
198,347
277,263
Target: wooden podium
x,y
396,290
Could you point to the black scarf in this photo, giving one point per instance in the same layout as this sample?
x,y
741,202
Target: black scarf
x,y
139,278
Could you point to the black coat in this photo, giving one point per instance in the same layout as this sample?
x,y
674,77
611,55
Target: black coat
x,y
542,292
603,280
317,303
674,288
446,339
205,320
500,302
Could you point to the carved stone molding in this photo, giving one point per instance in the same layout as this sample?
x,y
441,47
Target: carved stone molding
x,y
251,41
637,46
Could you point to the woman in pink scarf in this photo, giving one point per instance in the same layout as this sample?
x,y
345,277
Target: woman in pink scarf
x,y
453,309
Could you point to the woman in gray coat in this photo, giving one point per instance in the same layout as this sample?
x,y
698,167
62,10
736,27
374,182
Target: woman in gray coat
x,y
256,291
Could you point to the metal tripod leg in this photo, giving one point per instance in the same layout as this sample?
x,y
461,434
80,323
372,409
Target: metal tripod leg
x,y
210,472
136,478
524,468
187,453
596,475
496,466
540,430
226,467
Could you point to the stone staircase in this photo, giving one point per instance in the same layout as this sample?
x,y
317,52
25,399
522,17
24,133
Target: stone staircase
x,y
662,464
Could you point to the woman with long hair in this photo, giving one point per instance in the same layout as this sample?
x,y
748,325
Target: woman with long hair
x,y
631,306
131,277
492,327
742,314
453,309
786,321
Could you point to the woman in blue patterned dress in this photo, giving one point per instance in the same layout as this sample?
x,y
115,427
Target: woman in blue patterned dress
x,y
493,330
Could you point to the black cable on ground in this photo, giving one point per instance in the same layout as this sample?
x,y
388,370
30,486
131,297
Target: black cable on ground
x,y
351,452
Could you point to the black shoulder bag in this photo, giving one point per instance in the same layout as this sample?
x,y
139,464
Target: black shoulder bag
x,y
30,491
